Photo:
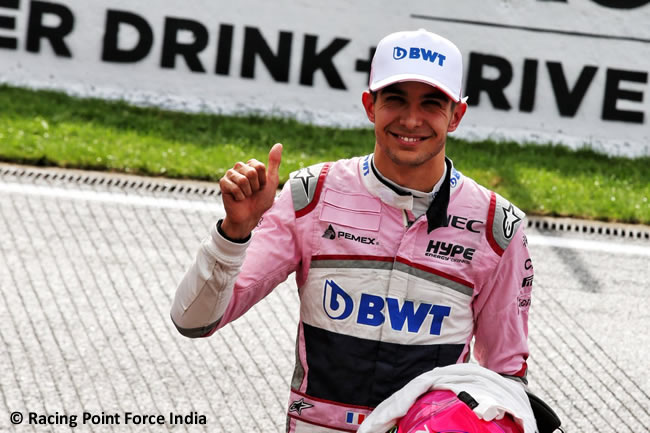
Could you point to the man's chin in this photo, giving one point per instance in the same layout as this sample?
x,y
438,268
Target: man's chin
x,y
407,158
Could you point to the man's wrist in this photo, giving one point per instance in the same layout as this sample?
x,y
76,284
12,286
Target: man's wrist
x,y
232,235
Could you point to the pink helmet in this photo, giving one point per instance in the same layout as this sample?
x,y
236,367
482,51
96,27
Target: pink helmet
x,y
444,412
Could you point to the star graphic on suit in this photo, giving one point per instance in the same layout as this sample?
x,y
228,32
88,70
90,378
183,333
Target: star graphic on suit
x,y
304,175
509,221
299,406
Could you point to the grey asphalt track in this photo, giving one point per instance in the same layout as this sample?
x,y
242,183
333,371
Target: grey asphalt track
x,y
89,264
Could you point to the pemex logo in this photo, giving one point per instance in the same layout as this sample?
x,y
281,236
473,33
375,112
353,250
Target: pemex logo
x,y
330,233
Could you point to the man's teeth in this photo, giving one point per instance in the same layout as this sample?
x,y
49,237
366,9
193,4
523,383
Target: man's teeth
x,y
409,139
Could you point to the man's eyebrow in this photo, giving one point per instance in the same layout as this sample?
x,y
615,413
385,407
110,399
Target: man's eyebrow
x,y
396,90
435,95
393,88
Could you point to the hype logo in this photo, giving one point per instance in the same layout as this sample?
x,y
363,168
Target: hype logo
x,y
337,304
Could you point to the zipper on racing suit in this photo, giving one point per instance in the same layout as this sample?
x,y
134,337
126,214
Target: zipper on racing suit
x,y
408,218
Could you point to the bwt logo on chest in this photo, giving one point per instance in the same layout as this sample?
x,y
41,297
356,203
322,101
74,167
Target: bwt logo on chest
x,y
400,53
373,310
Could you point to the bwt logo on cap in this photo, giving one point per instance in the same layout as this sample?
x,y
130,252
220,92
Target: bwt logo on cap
x,y
400,53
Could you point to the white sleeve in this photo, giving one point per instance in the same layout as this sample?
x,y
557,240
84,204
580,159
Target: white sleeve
x,y
206,288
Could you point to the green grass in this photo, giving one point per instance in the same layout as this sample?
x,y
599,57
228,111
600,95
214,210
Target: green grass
x,y
49,128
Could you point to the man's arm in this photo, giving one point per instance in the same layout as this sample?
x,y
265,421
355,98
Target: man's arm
x,y
501,328
206,288
220,285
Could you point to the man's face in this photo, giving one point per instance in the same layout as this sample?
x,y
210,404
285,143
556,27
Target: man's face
x,y
411,120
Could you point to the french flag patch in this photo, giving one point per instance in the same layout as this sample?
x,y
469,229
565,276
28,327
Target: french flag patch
x,y
355,418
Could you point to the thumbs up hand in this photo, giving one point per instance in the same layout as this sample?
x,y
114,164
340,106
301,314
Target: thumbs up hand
x,y
248,190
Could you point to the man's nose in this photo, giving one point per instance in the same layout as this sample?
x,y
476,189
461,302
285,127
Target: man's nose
x,y
411,117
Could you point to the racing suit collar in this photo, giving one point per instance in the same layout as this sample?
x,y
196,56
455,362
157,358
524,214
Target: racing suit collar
x,y
437,212
393,196
389,194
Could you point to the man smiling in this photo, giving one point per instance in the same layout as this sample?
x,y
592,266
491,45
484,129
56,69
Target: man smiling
x,y
412,120
400,260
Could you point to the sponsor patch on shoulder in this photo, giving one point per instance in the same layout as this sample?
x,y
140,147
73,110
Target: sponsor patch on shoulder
x,y
506,219
304,184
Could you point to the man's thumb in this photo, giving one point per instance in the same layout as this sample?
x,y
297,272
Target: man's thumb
x,y
275,157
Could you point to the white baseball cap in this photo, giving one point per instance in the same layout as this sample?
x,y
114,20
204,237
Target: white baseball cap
x,y
418,56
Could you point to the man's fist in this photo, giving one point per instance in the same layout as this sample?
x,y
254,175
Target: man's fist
x,y
248,190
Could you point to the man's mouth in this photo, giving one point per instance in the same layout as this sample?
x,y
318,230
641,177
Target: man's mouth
x,y
408,139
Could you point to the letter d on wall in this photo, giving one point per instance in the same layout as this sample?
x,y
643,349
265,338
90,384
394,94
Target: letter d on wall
x,y
111,52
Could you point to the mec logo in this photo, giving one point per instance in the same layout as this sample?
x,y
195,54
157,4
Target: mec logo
x,y
374,310
400,53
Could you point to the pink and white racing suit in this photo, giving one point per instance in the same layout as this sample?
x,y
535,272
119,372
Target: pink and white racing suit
x,y
383,298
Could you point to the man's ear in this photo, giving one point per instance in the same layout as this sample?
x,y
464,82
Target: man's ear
x,y
369,104
457,116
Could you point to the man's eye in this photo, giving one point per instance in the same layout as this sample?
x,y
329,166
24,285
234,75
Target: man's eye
x,y
433,102
394,98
